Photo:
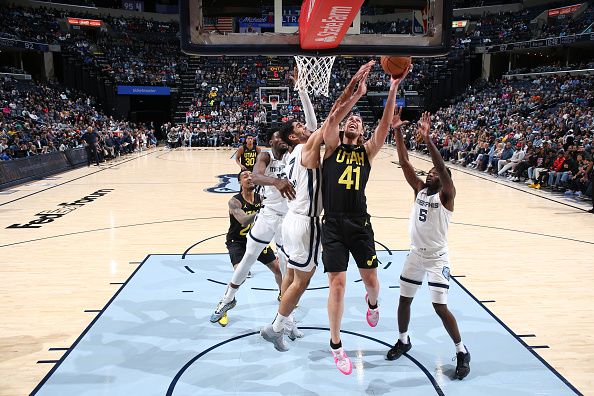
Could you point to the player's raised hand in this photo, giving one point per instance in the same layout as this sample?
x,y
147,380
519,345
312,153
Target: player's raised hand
x,y
366,68
397,122
397,81
286,189
425,125
362,88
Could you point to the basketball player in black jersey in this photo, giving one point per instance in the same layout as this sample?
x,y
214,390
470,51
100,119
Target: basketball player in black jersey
x,y
346,225
246,154
243,208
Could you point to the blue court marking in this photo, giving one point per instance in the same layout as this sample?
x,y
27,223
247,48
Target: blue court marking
x,y
149,334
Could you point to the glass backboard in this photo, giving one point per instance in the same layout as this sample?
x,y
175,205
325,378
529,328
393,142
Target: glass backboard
x,y
271,27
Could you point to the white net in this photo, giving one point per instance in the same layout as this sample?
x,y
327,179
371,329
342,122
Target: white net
x,y
314,73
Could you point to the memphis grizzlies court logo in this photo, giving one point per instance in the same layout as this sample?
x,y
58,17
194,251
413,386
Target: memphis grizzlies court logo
x,y
228,184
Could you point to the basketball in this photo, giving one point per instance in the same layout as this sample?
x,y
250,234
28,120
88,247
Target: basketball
x,y
395,65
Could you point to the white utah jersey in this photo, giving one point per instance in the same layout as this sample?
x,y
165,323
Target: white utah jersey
x,y
307,184
428,224
271,197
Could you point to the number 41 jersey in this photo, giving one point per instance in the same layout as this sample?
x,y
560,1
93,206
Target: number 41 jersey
x,y
429,221
344,177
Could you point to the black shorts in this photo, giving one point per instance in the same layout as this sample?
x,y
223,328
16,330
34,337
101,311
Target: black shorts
x,y
343,234
237,250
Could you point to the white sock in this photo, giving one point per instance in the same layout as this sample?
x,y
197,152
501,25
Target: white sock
x,y
279,322
229,294
460,347
290,322
403,337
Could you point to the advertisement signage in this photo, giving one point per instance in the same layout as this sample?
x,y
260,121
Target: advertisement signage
x,y
564,10
84,22
142,90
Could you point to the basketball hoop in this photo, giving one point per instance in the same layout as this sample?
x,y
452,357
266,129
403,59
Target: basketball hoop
x,y
314,73
274,104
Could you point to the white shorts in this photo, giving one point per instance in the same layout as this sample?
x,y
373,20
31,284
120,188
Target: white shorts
x,y
302,237
437,268
268,225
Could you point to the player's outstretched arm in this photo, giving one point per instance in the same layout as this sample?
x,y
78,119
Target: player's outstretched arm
x,y
409,171
282,185
376,142
311,121
344,105
236,211
448,191
310,154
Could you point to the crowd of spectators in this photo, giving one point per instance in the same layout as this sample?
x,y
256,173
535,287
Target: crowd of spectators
x,y
38,118
537,131
399,26
199,135
128,50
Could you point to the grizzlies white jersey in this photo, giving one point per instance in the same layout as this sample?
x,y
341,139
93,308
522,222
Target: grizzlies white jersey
x,y
307,184
271,197
428,224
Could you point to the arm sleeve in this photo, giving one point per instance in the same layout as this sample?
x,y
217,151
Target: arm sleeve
x,y
311,122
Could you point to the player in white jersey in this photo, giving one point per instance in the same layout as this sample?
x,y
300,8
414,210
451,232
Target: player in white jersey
x,y
429,220
269,171
301,227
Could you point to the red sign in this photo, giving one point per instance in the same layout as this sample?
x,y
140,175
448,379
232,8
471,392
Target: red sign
x,y
85,22
459,24
564,10
323,23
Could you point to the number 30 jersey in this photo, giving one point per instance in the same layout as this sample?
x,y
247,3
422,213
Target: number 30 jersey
x,y
344,177
428,224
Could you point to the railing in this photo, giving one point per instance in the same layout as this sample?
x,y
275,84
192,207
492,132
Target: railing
x,y
575,72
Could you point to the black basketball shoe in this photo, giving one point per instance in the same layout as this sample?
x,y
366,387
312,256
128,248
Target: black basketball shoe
x,y
462,365
398,350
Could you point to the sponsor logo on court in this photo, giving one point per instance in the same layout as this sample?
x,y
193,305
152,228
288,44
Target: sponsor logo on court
x,y
228,184
48,216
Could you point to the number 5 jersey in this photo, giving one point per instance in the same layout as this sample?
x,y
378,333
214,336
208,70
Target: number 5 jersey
x,y
428,226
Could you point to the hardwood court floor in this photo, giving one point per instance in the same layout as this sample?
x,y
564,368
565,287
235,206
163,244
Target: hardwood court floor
x,y
530,255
